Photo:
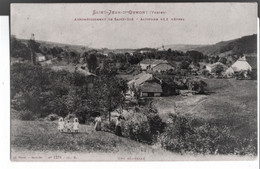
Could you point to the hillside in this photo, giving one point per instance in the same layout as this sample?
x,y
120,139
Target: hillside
x,y
243,45
78,48
183,47
40,141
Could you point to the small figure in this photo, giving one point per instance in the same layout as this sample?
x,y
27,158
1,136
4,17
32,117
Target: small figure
x,y
76,125
118,126
98,123
69,126
61,125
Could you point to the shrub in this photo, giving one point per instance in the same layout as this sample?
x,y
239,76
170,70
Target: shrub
x,y
27,115
144,125
52,117
181,136
137,128
110,125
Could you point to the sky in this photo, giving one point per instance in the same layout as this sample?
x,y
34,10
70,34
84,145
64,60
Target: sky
x,y
200,23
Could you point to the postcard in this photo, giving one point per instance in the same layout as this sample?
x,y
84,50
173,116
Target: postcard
x,y
134,82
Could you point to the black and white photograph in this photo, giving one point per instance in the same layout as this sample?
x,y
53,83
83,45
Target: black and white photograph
x,y
133,82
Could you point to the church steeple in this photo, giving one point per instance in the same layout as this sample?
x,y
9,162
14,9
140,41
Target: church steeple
x,y
32,36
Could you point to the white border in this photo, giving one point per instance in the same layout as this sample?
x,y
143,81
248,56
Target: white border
x,y
5,129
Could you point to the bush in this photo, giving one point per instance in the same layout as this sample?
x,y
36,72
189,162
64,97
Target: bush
x,y
143,125
110,125
137,128
26,115
181,136
52,117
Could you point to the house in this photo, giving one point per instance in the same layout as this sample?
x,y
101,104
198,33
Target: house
x,y
148,85
208,67
187,92
241,65
229,72
47,62
162,67
40,57
146,63
142,79
149,63
83,69
151,88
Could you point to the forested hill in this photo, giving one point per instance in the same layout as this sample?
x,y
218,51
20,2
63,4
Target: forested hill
x,y
243,45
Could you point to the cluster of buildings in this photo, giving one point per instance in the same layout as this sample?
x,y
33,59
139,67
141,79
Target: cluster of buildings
x,y
145,82
243,64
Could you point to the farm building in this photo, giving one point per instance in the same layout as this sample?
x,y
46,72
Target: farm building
x,y
162,67
83,69
40,57
151,88
47,62
208,67
149,63
229,72
138,81
241,64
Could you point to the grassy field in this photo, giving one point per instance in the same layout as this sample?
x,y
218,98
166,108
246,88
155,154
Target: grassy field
x,y
229,102
44,136
40,141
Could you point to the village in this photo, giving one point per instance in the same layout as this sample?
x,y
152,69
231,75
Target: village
x,y
152,89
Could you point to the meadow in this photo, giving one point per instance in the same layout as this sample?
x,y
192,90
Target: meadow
x,y
228,102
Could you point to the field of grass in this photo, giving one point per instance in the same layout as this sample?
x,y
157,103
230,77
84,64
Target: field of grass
x,y
44,136
40,140
230,102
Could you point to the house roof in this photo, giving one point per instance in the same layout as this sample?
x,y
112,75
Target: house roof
x,y
151,87
229,70
39,55
153,61
159,61
163,66
143,78
217,63
147,61
241,64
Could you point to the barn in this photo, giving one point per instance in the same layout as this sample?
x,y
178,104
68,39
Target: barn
x,y
40,57
241,64
229,72
162,67
151,88
150,63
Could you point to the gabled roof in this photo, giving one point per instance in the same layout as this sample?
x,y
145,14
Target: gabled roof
x,y
159,61
83,69
153,61
163,66
241,64
147,61
39,55
151,87
143,78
